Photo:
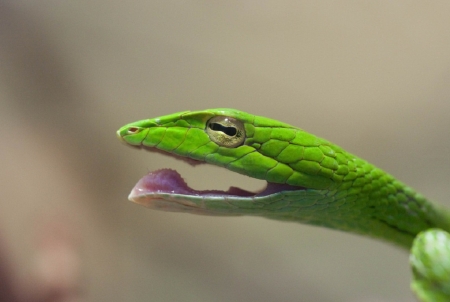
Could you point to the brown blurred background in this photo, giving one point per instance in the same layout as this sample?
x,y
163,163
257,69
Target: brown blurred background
x,y
371,77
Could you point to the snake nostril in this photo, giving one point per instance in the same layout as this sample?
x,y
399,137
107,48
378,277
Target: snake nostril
x,y
133,130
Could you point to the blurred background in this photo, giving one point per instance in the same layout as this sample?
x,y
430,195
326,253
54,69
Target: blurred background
x,y
372,77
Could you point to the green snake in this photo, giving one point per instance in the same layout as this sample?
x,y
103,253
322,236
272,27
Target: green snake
x,y
309,180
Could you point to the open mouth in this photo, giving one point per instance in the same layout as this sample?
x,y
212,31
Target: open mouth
x,y
161,188
170,182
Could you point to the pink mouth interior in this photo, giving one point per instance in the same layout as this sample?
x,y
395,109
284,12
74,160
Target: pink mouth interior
x,y
170,181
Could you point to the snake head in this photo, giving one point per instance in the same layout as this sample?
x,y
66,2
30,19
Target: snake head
x,y
288,158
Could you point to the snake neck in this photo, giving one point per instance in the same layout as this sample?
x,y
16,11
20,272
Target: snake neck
x,y
396,212
383,208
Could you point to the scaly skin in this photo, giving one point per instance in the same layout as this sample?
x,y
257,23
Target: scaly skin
x,y
319,183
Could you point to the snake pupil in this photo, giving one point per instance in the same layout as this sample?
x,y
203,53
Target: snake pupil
x,y
230,131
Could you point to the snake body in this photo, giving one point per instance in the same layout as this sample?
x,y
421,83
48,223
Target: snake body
x,y
309,180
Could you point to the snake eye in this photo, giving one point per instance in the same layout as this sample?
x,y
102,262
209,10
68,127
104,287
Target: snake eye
x,y
226,131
